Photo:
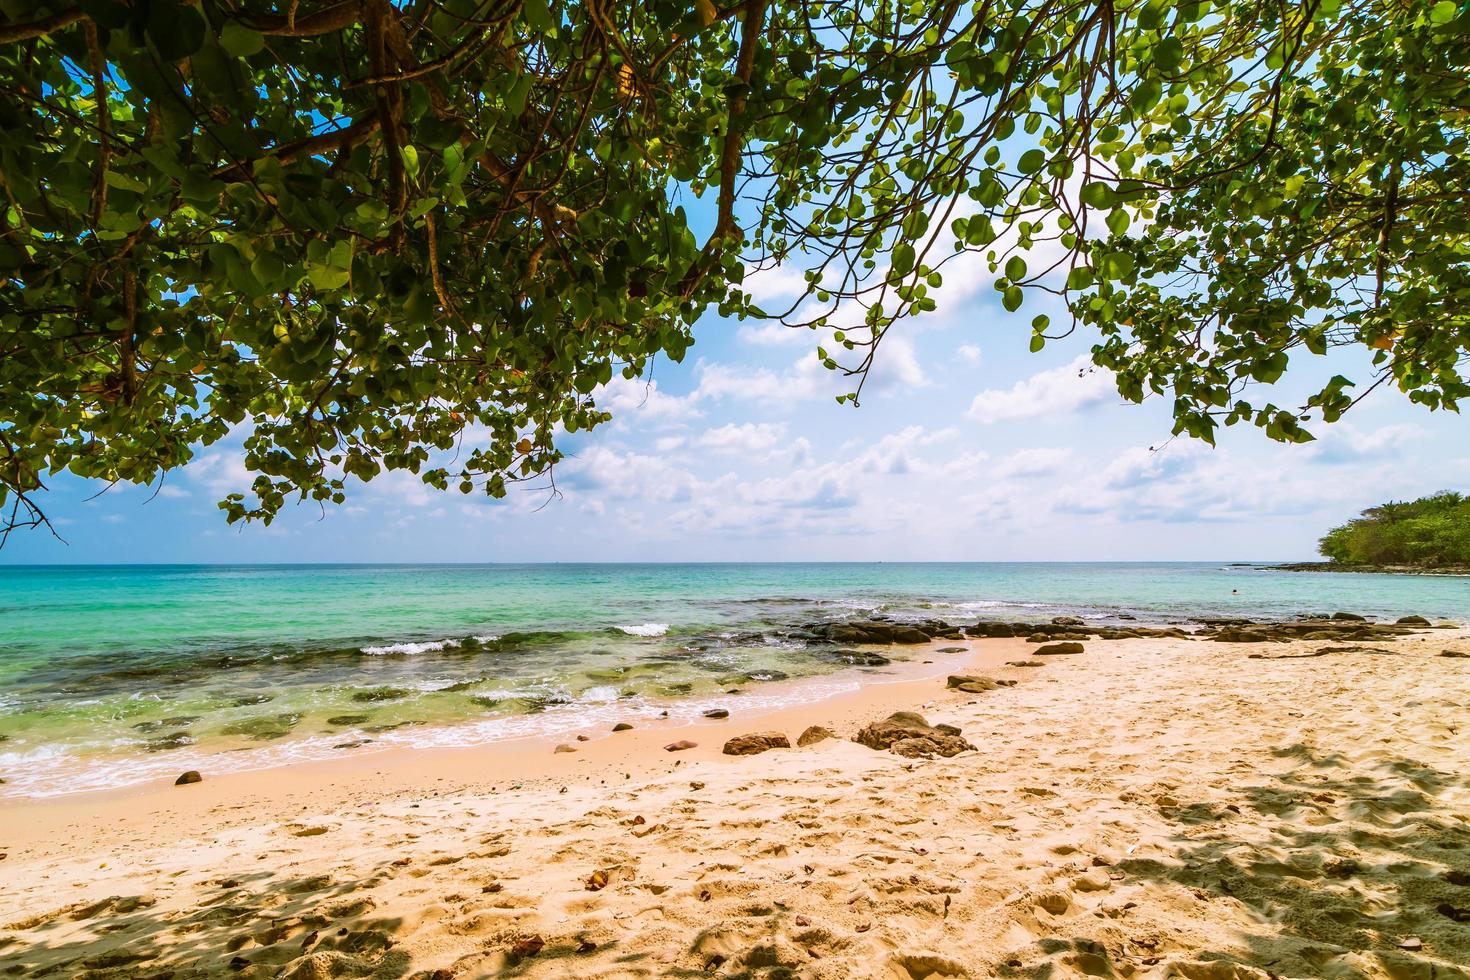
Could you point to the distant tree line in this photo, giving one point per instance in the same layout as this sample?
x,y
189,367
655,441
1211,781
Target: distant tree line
x,y
1433,530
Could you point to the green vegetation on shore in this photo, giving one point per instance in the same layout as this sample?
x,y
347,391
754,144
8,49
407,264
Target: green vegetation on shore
x,y
1431,531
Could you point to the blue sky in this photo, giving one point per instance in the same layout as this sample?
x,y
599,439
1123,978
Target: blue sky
x,y
967,447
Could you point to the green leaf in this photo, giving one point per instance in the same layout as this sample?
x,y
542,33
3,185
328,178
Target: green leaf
x,y
903,258
1032,161
1011,298
239,40
1015,268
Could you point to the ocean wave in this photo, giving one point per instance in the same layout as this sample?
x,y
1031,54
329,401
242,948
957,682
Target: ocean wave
x,y
428,646
645,629
424,646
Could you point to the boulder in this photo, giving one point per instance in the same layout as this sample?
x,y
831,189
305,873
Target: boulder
x,y
1066,621
1244,636
680,745
909,634
972,684
717,713
1412,621
192,776
563,748
1053,649
908,734
755,743
1349,617
813,735
622,726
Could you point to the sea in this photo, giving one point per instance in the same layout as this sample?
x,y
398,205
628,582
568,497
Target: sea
x,y
115,675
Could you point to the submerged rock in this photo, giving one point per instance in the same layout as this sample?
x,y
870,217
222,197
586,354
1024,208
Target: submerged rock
x,y
908,734
381,694
813,735
755,743
343,720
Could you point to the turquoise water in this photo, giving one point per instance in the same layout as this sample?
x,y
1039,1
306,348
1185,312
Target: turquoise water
x,y
110,674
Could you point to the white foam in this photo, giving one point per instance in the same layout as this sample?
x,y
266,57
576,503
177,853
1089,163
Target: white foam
x,y
409,648
646,629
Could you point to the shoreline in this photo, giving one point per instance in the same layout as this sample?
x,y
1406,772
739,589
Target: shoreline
x,y
531,758
1338,568
1149,808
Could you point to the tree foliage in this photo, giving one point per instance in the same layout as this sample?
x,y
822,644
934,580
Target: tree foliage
x,y
1430,531
367,232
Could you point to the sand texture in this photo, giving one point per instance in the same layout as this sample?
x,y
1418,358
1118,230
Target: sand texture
x,y
1148,808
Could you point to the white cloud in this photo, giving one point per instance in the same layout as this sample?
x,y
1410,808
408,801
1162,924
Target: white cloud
x,y
1031,463
970,353
1058,391
751,438
1344,443
641,400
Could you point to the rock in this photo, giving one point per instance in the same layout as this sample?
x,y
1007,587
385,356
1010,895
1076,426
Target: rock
x,y
584,738
859,658
192,776
1052,649
344,720
1348,617
717,713
622,726
680,745
1411,943
1024,663
529,946
1241,636
909,634
563,748
1066,621
976,685
813,735
768,675
908,734
1411,621
755,743
1461,654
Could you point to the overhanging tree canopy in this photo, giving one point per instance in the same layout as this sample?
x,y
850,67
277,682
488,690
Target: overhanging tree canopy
x,y
364,228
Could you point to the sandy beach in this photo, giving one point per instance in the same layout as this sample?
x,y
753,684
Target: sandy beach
x,y
1148,808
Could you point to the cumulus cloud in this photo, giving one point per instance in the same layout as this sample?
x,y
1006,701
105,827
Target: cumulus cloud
x,y
642,400
970,353
1344,443
1031,463
750,438
1058,391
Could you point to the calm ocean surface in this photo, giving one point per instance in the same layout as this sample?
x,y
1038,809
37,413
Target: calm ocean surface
x,y
113,674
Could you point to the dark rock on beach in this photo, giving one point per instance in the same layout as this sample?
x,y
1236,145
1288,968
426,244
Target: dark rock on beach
x,y
908,734
813,735
972,684
680,745
192,776
1412,621
756,743
717,713
1053,649
622,726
